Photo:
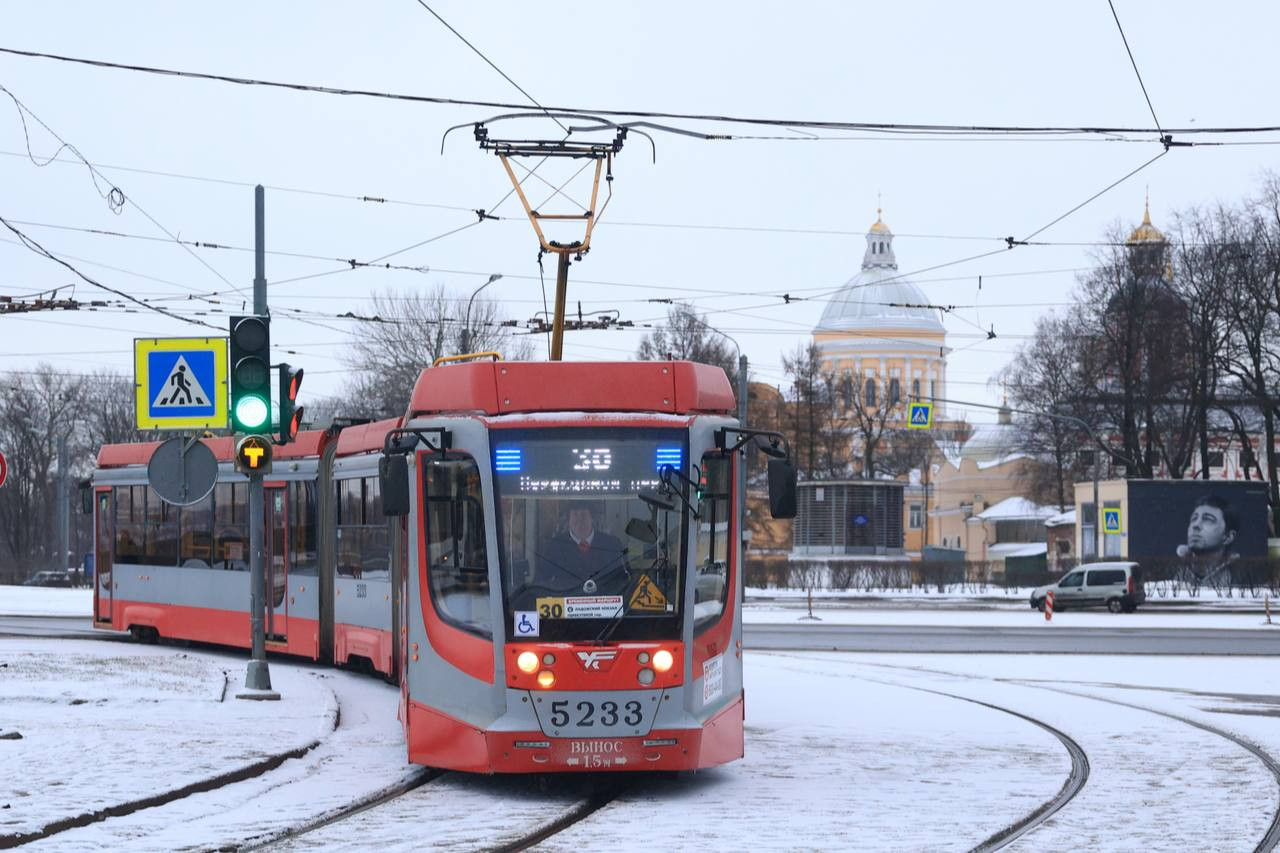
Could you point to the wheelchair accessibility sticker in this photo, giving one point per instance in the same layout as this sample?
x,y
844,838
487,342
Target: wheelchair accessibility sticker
x,y
526,624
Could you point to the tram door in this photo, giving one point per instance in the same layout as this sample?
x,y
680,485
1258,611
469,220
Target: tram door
x,y
103,537
276,576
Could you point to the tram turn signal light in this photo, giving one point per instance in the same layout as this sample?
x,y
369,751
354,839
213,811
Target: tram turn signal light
x,y
662,660
527,662
546,678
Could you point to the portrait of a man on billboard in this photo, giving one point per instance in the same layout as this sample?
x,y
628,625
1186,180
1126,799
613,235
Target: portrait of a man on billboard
x,y
1208,554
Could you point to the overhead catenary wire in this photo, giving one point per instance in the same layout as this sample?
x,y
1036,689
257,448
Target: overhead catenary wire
x,y
491,64
825,124
115,197
1136,72
41,250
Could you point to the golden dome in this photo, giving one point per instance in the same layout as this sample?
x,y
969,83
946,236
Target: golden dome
x,y
1146,232
878,227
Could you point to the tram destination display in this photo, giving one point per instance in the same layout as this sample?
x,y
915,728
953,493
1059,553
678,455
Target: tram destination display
x,y
593,464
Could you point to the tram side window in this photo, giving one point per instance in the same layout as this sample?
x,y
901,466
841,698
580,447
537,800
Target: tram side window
x,y
302,528
196,539
363,546
711,588
162,531
131,533
457,561
231,526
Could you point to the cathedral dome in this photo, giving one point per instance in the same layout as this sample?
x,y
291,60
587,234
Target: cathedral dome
x,y
1146,232
879,298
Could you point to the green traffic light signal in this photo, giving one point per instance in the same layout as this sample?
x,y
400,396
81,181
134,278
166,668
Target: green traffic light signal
x,y
251,413
250,373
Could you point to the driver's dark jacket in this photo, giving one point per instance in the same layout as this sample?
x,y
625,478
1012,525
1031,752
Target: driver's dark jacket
x,y
563,567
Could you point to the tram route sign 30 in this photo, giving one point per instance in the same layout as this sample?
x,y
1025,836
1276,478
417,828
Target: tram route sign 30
x,y
180,383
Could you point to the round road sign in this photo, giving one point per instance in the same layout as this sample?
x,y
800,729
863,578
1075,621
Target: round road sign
x,y
4,469
182,471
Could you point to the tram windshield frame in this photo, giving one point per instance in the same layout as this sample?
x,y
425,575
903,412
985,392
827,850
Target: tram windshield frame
x,y
565,500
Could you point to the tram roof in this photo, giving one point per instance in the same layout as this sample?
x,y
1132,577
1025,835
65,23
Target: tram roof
x,y
509,387
308,443
365,437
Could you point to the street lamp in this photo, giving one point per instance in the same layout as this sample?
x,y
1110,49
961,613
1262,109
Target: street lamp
x,y
466,323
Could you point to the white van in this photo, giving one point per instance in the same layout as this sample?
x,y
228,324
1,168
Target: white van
x,y
1118,586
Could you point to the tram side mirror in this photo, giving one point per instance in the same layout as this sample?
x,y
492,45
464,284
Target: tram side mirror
x,y
642,530
657,500
782,488
393,478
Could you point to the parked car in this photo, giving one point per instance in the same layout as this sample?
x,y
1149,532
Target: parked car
x,y
49,578
1117,586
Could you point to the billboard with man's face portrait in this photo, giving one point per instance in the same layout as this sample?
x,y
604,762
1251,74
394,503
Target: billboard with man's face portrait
x,y
1209,532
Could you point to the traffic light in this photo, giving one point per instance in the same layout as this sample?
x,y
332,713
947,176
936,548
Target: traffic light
x,y
253,455
290,412
250,374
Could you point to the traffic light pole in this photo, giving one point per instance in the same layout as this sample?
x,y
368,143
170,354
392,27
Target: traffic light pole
x,y
258,677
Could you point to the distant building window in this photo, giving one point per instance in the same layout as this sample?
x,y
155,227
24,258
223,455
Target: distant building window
x,y
933,389
915,518
870,395
915,387
895,392
1215,459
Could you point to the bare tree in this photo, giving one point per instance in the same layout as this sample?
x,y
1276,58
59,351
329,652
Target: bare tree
x,y
403,332
813,423
686,336
36,410
1044,378
874,409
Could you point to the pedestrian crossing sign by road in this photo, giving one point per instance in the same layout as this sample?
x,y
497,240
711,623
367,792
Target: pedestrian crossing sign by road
x,y
1111,520
180,383
919,415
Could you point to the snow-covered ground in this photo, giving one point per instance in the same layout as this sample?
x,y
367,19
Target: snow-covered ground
x,y
844,751
45,601
103,725
765,614
38,601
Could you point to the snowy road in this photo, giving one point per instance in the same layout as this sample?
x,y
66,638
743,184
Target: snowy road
x,y
1001,639
858,752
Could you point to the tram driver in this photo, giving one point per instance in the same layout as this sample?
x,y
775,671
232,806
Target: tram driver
x,y
582,559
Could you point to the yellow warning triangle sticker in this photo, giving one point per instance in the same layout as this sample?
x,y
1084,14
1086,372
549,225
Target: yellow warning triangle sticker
x,y
647,596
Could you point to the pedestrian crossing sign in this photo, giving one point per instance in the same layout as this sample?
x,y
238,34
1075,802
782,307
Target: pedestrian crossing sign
x,y
919,415
1111,520
180,383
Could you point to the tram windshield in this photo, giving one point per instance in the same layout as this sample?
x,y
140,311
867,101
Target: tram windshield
x,y
583,557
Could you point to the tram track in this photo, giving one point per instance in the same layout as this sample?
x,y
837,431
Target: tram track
x,y
372,801
1071,786
598,800
1270,839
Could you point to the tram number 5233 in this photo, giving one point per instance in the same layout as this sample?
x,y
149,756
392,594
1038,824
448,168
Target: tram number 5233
x,y
607,714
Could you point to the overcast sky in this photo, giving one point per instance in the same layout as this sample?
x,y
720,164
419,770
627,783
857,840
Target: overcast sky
x,y
989,63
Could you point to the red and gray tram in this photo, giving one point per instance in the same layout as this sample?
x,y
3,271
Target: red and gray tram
x,y
545,555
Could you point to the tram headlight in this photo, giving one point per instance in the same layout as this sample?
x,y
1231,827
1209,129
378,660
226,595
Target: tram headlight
x,y
527,661
662,660
645,676
546,678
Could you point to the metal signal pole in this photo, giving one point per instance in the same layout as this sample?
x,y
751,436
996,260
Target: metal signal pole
x,y
258,676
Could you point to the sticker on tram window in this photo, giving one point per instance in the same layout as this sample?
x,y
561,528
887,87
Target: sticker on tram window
x,y
550,608
712,679
648,598
593,607
526,623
